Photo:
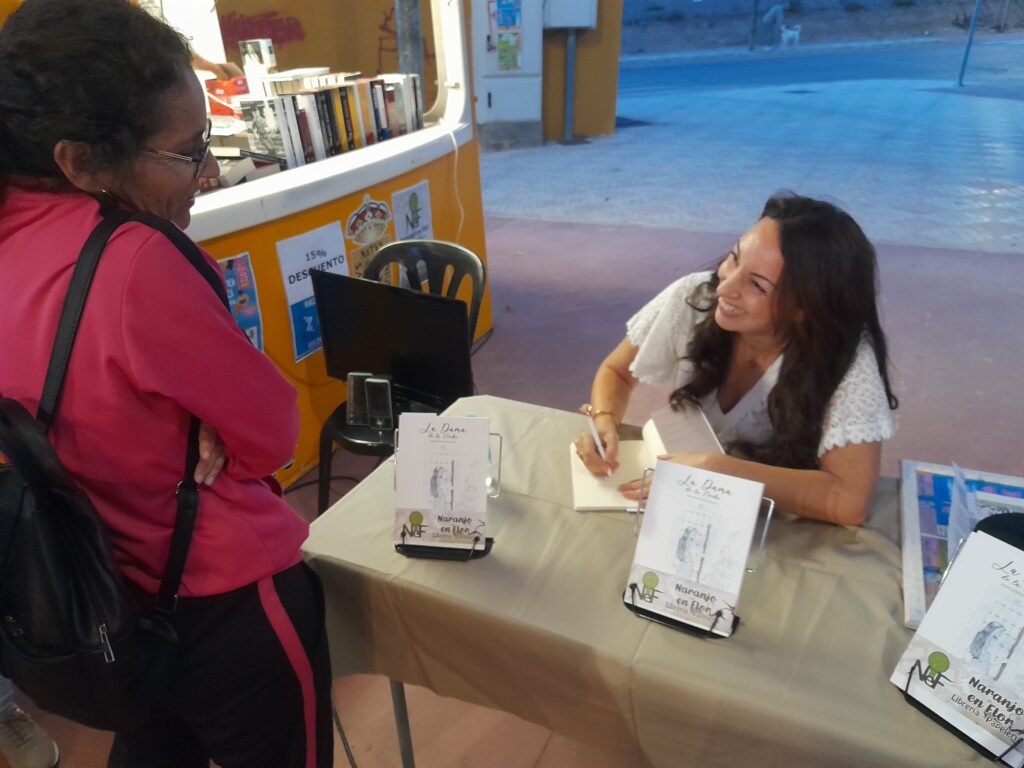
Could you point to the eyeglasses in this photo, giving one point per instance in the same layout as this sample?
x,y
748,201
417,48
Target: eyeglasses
x,y
198,158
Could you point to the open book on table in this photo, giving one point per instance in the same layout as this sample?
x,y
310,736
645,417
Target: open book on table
x,y
692,551
667,431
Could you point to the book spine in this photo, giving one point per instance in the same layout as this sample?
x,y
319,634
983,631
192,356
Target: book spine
x,y
325,106
380,117
345,94
288,131
307,101
305,144
417,91
259,157
409,102
367,128
394,108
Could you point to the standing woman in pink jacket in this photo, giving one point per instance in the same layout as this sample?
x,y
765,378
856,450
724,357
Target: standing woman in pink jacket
x,y
99,107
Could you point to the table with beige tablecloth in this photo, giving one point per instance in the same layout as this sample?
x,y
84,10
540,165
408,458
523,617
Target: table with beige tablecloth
x,y
537,628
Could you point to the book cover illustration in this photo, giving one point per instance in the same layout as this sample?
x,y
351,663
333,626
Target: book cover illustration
x,y
691,554
441,481
265,135
966,661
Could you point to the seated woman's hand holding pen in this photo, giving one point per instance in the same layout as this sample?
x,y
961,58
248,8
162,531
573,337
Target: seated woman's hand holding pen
x,y
598,446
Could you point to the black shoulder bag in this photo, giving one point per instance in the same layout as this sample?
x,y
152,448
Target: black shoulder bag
x,y
71,635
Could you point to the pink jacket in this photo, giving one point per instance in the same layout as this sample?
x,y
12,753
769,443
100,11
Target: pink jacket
x,y
155,344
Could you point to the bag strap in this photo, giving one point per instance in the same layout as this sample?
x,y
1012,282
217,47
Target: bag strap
x,y
187,492
187,495
189,250
71,312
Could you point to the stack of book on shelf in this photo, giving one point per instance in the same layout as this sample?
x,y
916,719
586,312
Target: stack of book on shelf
x,y
308,115
238,164
305,79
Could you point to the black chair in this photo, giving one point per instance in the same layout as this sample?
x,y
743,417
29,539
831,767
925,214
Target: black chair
x,y
430,262
442,267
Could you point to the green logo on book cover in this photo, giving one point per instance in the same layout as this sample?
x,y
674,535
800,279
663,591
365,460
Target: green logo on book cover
x,y
415,527
649,588
933,674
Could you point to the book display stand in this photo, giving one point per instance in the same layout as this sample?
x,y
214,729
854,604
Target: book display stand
x,y
445,553
630,598
983,750
481,545
1010,529
706,632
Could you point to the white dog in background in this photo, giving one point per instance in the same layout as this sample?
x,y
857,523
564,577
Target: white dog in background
x,y
789,35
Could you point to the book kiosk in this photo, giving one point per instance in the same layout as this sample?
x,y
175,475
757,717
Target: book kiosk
x,y
335,214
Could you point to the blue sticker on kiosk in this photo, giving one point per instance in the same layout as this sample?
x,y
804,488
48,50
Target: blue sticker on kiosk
x,y
509,13
243,299
322,248
305,328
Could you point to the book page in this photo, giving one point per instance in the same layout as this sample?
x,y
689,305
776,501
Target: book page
x,y
591,492
684,431
667,431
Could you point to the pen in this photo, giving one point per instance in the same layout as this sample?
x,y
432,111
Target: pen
x,y
597,439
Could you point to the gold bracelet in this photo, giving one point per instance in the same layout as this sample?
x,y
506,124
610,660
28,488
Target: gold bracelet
x,y
588,410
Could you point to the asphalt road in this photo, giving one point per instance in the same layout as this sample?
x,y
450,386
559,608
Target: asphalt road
x,y
992,62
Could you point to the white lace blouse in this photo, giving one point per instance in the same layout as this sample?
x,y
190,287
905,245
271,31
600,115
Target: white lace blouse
x,y
857,413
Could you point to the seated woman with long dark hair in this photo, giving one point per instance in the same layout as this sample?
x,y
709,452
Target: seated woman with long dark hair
x,y
782,347
99,108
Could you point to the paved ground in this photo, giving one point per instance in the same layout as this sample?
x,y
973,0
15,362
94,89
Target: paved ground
x,y
882,130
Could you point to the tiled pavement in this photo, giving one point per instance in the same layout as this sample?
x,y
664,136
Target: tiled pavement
x,y
917,162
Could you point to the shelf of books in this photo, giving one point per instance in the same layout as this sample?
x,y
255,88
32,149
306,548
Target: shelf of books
x,y
305,115
319,169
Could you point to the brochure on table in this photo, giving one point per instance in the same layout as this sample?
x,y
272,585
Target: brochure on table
x,y
667,431
966,661
441,481
692,551
939,505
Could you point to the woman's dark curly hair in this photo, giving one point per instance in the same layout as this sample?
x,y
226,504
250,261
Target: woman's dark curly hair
x,y
826,303
95,71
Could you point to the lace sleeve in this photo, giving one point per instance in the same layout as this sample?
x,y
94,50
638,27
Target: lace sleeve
x,y
661,331
859,411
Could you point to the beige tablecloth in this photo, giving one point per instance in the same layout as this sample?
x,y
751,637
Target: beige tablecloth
x,y
537,628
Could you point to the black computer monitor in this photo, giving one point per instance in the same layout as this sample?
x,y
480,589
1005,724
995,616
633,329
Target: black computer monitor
x,y
420,340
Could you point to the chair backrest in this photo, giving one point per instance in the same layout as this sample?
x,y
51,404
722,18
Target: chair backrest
x,y
436,257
